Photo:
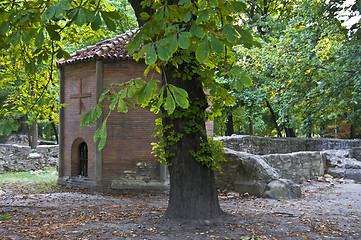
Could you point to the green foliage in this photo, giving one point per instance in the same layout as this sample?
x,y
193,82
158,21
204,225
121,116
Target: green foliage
x,y
306,70
4,217
210,153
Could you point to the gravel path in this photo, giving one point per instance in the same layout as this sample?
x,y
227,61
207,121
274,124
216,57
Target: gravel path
x,y
325,211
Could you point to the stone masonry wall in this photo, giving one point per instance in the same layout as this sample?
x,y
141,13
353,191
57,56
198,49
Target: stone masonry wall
x,y
265,145
296,159
14,158
298,166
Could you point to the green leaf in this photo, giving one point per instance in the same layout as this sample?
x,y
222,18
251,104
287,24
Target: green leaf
x,y
122,107
203,16
4,28
14,38
130,103
202,50
230,33
90,16
59,12
95,25
108,21
54,35
132,46
150,55
113,15
197,31
246,35
91,116
102,134
144,16
172,43
179,91
159,14
80,18
180,96
39,40
48,14
102,97
238,6
114,101
30,67
216,44
163,53
185,3
257,44
183,40
26,36
169,104
245,79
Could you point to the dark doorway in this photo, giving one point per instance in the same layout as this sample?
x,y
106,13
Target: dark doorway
x,y
83,160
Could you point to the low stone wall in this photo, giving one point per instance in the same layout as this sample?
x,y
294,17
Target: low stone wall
x,y
265,145
298,166
15,158
300,159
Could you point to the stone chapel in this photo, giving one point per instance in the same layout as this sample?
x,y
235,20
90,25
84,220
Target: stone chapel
x,y
125,162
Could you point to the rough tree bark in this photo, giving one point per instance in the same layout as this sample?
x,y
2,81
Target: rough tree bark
x,y
193,193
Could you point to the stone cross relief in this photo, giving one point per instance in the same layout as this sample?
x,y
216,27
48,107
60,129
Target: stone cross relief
x,y
80,95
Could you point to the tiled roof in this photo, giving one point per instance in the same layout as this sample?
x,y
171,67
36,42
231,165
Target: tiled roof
x,y
108,49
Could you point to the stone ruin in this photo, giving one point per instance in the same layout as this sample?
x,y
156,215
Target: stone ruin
x,y
272,167
17,156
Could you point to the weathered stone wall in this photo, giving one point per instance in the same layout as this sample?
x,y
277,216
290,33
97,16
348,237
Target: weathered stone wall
x,y
14,158
300,159
265,145
298,166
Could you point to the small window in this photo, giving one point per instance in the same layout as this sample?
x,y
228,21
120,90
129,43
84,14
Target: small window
x,y
83,160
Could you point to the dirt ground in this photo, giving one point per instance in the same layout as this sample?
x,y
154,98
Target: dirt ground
x,y
325,211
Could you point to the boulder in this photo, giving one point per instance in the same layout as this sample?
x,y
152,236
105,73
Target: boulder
x,y
282,188
247,173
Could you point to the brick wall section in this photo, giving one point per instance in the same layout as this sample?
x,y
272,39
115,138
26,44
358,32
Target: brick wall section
x,y
73,134
129,135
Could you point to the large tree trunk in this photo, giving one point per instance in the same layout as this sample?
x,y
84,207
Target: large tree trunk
x,y
193,193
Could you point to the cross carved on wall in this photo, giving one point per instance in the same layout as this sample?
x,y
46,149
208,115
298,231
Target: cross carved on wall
x,y
80,95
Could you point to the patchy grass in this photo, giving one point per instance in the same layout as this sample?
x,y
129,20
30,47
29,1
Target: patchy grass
x,y
31,182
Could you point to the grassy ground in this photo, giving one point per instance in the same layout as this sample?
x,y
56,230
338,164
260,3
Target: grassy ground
x,y
31,182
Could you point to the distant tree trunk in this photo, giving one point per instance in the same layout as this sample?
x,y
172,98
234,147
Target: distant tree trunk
x,y
55,132
352,131
192,193
55,129
33,139
289,132
251,127
229,124
273,115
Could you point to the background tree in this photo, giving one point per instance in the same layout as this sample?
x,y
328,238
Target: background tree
x,y
298,71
